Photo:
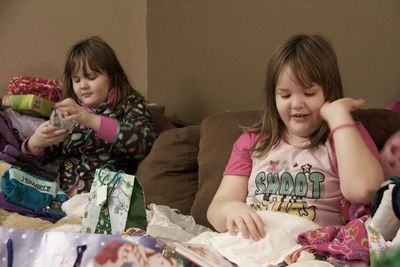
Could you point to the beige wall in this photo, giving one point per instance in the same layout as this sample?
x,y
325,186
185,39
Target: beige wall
x,y
205,56
36,34
210,56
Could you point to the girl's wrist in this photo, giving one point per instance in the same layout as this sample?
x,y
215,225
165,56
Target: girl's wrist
x,y
342,126
340,119
33,149
93,121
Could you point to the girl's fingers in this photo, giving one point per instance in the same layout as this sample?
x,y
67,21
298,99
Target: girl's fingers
x,y
231,226
255,226
249,225
357,103
60,132
252,228
242,227
259,224
56,139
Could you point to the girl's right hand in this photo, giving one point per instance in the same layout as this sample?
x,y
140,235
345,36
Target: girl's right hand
x,y
44,136
245,220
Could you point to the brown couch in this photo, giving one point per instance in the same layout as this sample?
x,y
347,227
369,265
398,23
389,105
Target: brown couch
x,y
185,165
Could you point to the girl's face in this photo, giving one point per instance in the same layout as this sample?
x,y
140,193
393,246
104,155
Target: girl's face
x,y
298,107
92,89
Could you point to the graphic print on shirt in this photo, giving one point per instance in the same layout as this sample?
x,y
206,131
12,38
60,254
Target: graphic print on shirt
x,y
287,192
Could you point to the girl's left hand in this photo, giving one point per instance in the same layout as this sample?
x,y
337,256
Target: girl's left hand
x,y
72,111
338,111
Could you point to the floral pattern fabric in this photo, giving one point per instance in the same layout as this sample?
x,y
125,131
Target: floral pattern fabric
x,y
348,243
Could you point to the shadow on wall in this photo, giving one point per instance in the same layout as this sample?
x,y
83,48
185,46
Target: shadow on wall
x,y
192,103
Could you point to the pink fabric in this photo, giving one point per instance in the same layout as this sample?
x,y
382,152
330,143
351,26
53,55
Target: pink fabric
x,y
112,96
291,179
109,129
394,106
345,244
25,150
240,162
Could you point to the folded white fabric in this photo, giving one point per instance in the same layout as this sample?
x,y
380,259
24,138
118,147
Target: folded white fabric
x,y
164,222
281,231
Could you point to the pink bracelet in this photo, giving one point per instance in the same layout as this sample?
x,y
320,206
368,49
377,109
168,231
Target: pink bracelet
x,y
346,125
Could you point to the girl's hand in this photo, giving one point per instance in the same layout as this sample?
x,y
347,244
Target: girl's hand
x,y
72,111
44,136
338,111
244,219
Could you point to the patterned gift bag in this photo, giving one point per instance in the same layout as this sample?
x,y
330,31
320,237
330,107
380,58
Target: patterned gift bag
x,y
116,203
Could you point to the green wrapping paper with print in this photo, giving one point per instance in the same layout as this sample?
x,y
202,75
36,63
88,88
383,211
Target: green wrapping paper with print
x,y
116,203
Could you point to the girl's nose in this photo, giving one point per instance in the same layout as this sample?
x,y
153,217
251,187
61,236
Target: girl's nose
x,y
83,84
297,101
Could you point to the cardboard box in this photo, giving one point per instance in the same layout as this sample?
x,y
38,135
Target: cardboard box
x,y
29,104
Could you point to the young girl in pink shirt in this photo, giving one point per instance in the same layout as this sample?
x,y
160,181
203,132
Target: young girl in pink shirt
x,y
305,154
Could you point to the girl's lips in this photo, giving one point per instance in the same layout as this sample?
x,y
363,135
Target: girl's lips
x,y
299,115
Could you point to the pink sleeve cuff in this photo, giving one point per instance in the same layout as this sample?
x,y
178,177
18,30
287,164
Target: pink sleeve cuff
x,y
25,150
108,129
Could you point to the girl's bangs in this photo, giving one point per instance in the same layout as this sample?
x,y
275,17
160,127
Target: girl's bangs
x,y
84,63
304,73
75,65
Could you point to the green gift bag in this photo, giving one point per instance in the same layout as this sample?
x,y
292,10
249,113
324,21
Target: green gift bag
x,y
116,203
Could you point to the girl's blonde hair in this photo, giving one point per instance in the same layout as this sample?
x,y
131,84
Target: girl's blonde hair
x,y
95,54
312,61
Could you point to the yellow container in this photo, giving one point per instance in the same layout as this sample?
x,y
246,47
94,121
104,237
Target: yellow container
x,y
29,104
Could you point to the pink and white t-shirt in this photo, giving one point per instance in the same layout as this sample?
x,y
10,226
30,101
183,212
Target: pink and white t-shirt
x,y
291,179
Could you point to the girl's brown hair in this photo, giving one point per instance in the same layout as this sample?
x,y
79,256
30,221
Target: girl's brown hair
x,y
95,54
312,61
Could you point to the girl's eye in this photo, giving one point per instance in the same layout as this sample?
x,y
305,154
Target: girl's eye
x,y
285,96
75,80
309,94
92,76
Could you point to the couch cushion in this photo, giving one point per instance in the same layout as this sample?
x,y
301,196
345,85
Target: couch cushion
x,y
218,133
168,174
380,123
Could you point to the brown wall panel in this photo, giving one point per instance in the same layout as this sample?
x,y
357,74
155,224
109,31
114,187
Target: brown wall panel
x,y
211,55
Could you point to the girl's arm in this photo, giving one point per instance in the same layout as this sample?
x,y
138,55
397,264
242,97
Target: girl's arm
x,y
132,132
136,131
228,210
359,170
